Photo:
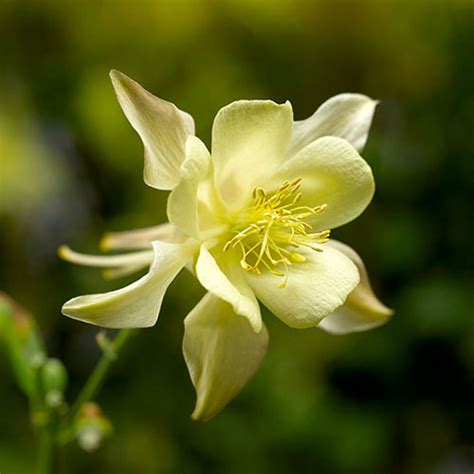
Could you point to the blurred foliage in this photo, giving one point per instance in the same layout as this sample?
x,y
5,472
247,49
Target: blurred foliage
x,y
398,399
23,344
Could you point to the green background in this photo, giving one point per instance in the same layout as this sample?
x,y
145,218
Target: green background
x,y
398,399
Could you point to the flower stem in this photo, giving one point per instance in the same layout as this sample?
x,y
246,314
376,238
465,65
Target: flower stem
x,y
97,377
46,453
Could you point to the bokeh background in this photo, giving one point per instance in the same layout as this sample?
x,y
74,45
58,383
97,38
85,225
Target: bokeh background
x,y
398,399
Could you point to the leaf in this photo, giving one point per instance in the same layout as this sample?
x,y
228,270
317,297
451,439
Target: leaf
x,y
24,344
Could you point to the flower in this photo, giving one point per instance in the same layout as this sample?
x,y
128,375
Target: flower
x,y
252,222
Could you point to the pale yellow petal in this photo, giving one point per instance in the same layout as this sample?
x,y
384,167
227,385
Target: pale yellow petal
x,y
250,140
183,204
119,272
162,127
137,238
115,265
105,261
347,116
334,174
138,304
362,309
226,280
314,288
222,353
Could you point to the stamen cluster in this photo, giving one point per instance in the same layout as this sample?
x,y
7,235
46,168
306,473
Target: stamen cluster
x,y
272,228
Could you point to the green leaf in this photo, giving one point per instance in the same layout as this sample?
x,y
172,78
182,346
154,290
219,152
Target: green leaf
x,y
24,345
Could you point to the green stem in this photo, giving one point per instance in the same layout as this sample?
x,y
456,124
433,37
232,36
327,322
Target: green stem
x,y
97,377
46,451
44,420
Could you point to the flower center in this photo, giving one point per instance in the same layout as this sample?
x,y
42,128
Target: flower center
x,y
272,229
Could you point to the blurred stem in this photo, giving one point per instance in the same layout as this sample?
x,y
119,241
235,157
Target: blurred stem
x,y
45,421
46,451
99,374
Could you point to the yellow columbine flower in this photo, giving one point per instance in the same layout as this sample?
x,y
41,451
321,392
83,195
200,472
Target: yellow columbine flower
x,y
252,221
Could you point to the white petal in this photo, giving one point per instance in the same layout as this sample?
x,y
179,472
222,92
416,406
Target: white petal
x,y
183,200
334,174
138,238
229,284
362,309
249,140
162,127
315,288
222,353
138,304
347,116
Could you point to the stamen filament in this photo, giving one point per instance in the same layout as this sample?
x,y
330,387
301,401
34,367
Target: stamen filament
x,y
272,223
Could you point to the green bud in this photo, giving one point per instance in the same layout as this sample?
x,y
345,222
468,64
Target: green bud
x,y
92,427
90,438
54,398
53,376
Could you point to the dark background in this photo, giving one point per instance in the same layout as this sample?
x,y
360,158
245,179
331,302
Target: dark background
x,y
398,399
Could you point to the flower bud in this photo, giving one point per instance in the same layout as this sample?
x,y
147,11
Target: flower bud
x,y
92,427
54,379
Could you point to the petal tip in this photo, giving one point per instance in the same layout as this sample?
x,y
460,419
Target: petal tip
x,y
66,307
203,411
197,417
62,251
65,253
123,85
255,323
104,243
117,76
388,312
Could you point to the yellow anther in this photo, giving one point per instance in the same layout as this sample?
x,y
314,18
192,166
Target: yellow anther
x,y
271,225
297,257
